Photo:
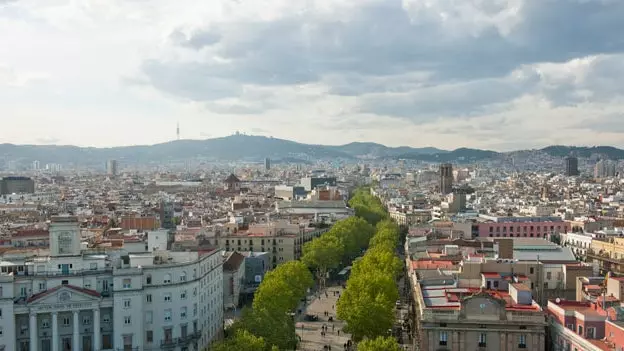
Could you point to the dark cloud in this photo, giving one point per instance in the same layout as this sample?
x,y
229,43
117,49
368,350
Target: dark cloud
x,y
369,48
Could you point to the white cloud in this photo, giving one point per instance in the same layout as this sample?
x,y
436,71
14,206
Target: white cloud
x,y
488,73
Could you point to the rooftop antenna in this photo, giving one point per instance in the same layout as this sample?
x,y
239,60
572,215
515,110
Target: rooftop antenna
x,y
178,130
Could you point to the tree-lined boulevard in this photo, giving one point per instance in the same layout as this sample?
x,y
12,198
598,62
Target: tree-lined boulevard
x,y
368,243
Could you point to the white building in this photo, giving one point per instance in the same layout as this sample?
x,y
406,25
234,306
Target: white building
x,y
579,243
68,299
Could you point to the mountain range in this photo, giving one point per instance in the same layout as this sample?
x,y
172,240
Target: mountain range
x,y
256,148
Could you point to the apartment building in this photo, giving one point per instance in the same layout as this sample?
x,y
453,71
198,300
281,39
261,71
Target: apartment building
x,y
585,326
74,298
283,240
456,319
608,254
410,217
527,227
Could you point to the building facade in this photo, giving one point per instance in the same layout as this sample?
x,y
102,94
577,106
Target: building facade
x,y
17,185
571,168
528,227
463,319
76,299
446,178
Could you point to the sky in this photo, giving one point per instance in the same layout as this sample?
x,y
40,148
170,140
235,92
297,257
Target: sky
x,y
495,74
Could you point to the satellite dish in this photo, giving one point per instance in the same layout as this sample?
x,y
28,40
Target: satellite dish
x,y
558,300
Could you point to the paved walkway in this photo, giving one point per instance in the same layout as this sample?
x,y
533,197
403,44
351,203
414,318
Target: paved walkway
x,y
310,332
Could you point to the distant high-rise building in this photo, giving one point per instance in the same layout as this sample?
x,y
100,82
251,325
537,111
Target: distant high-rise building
x,y
111,168
571,169
604,169
178,131
446,178
267,163
36,165
17,185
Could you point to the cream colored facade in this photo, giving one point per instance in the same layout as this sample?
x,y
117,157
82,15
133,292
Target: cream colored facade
x,y
283,240
482,323
609,253
411,218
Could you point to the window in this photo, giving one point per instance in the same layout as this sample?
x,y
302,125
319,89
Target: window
x,y
45,324
168,297
42,286
86,320
1,331
93,266
148,279
167,279
183,276
148,298
127,320
194,291
443,338
126,303
482,340
106,318
549,275
591,333
149,317
580,330
183,295
194,310
149,336
546,285
183,313
522,341
167,315
127,283
531,270
66,321
87,284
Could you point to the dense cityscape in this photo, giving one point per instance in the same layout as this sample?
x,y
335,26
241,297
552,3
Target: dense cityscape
x,y
498,253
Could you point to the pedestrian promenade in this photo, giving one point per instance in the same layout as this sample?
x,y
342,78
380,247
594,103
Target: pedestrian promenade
x,y
313,335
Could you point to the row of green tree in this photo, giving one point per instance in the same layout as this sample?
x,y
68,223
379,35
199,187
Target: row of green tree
x,y
269,325
368,302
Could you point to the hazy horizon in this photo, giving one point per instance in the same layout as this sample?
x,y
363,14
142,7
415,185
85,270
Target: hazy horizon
x,y
217,137
497,75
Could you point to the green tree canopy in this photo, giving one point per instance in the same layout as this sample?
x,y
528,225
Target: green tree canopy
x,y
378,258
355,234
289,281
379,344
243,341
276,328
365,315
322,254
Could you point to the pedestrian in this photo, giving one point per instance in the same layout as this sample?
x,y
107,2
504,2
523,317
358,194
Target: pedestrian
x,y
332,307
338,332
333,327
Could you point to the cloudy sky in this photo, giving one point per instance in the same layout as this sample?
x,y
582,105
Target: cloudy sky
x,y
498,74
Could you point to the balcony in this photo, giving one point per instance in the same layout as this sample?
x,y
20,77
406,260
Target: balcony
x,y
604,256
189,338
168,343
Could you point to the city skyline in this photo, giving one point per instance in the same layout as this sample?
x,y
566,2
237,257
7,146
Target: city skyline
x,y
482,75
